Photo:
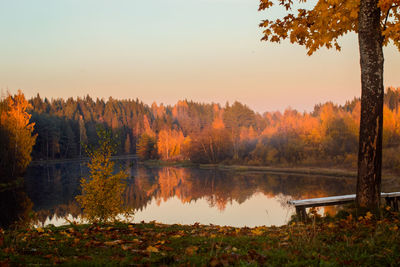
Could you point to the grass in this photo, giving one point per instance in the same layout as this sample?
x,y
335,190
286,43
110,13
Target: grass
x,y
345,240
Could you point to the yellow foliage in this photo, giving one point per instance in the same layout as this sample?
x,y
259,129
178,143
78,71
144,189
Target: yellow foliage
x,y
102,191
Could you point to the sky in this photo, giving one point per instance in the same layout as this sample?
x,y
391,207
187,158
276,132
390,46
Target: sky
x,y
169,50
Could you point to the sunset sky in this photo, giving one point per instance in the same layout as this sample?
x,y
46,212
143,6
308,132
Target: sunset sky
x,y
167,50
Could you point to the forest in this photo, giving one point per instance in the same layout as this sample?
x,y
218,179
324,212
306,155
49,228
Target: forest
x,y
211,133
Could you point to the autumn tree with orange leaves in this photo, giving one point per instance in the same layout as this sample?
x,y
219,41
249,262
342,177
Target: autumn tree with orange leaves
x,y
16,136
170,144
377,22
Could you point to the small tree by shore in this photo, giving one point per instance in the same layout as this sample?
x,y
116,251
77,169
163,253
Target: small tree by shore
x,y
102,192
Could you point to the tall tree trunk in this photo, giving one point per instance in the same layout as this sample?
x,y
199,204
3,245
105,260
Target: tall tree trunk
x,y
370,144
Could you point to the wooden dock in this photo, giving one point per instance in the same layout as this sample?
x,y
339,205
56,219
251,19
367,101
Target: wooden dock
x,y
392,199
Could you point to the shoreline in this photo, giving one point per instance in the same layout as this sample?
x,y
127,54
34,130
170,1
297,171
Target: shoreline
x,y
340,172
81,159
334,172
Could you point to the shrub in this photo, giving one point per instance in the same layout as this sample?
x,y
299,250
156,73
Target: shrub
x,y
102,192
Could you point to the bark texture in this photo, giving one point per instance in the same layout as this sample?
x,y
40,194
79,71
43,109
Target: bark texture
x,y
370,144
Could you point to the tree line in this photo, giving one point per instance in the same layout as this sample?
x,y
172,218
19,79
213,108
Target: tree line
x,y
211,133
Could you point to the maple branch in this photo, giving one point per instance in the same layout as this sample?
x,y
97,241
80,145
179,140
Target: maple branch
x,y
387,16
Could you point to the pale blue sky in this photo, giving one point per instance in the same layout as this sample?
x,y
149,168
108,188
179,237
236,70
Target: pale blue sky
x,y
166,50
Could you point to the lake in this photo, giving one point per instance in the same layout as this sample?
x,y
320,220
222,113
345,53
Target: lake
x,y
181,195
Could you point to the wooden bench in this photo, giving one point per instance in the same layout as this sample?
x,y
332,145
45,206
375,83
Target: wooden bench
x,y
391,199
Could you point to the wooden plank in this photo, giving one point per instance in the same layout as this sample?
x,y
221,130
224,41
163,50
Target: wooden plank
x,y
334,200
391,199
323,200
393,194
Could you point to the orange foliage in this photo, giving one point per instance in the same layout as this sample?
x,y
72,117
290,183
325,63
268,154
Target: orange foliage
x,y
170,144
16,135
146,127
180,109
218,123
322,25
158,111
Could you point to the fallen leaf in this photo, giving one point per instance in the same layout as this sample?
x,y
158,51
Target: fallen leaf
x,y
125,247
152,249
214,262
257,231
191,250
113,243
331,225
368,216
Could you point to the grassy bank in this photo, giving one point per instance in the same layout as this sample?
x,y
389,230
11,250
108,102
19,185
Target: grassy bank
x,y
350,241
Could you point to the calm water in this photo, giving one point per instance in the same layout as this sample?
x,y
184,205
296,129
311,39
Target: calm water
x,y
179,195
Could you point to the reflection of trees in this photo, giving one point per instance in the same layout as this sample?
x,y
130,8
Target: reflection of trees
x,y
60,211
54,184
53,187
16,208
222,187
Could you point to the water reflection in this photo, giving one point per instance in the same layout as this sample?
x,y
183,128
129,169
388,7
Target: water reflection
x,y
182,195
185,195
16,208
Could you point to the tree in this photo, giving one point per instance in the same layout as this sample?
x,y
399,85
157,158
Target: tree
x,y
210,146
376,22
82,134
128,145
16,136
102,191
145,148
169,144
235,117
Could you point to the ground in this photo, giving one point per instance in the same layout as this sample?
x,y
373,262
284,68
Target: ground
x,y
345,240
